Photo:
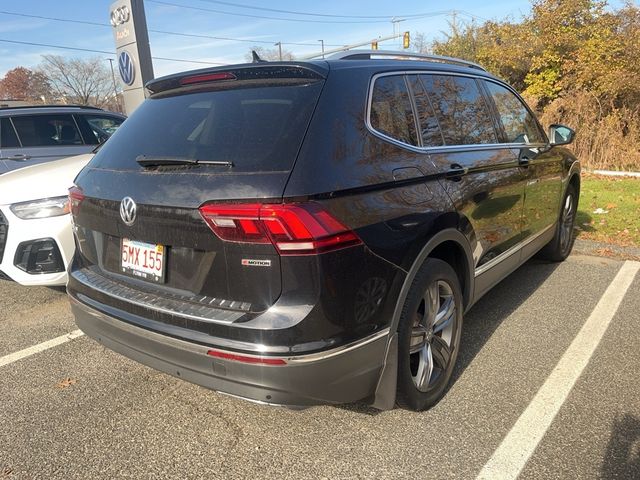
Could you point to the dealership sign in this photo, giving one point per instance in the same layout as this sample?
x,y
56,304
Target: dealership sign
x,y
130,34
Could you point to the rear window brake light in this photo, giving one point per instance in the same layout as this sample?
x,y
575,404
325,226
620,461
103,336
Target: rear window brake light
x,y
207,77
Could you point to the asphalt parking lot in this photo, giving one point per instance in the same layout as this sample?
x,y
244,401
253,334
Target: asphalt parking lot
x,y
77,410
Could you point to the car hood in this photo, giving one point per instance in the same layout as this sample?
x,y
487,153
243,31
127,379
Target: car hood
x,y
45,180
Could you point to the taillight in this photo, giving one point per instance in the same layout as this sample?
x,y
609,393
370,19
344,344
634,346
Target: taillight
x,y
294,229
75,199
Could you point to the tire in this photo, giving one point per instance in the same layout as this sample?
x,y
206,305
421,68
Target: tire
x,y
424,339
559,248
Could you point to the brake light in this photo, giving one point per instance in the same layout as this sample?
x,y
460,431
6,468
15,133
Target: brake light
x,y
246,358
207,77
294,229
75,199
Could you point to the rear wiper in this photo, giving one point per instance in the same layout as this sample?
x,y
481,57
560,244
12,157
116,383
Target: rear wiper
x,y
159,161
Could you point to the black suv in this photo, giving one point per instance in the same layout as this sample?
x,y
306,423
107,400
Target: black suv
x,y
298,233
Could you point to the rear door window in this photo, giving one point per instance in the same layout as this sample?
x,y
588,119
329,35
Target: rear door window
x,y
429,127
8,138
47,130
257,128
518,123
391,112
98,128
461,110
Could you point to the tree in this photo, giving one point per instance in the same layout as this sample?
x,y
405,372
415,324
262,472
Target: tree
x,y
24,84
74,80
271,54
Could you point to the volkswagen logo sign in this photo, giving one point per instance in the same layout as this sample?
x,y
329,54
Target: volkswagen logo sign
x,y
120,16
127,68
128,211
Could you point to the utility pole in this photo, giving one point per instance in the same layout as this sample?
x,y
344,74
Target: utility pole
x,y
322,43
279,45
113,77
395,21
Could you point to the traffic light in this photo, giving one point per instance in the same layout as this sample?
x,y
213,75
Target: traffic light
x,y
374,45
405,40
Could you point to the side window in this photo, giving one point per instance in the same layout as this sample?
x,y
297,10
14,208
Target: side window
x,y
8,138
461,110
519,125
429,127
47,130
391,112
97,128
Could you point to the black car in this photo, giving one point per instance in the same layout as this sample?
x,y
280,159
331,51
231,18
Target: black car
x,y
298,233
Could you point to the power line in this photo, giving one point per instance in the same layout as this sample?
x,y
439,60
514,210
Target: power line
x,y
62,47
328,15
104,52
244,40
201,9
188,61
41,17
164,32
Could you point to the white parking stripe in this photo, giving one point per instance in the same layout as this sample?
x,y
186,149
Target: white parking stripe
x,y
512,454
27,352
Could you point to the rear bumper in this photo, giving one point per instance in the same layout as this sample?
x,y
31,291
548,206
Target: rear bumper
x,y
341,375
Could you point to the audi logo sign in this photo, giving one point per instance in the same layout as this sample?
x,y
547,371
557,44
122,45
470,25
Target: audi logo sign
x,y
120,16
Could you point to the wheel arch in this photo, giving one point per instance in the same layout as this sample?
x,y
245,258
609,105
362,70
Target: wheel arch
x,y
451,246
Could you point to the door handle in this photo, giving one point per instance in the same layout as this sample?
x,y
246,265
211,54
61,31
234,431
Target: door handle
x,y
455,172
19,157
523,162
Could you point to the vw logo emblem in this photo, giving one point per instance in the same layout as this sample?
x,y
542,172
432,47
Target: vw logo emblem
x,y
120,16
126,68
128,211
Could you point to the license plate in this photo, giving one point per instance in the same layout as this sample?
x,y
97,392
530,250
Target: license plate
x,y
143,260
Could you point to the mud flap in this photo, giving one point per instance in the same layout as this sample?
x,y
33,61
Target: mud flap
x,y
385,394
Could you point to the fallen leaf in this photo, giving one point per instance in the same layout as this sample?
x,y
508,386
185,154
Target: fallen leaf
x,y
611,206
67,382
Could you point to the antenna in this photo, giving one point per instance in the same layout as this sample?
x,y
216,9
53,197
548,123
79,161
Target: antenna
x,y
256,58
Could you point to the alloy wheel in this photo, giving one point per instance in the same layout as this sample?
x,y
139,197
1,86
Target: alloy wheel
x,y
431,346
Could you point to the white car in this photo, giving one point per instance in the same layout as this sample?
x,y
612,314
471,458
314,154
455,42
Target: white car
x,y
36,241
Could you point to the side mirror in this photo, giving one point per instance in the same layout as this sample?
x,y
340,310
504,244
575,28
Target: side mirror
x,y
561,134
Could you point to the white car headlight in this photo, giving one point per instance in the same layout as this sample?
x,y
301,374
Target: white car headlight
x,y
44,208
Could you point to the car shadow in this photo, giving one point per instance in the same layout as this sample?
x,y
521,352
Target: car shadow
x,y
584,222
622,457
491,310
486,316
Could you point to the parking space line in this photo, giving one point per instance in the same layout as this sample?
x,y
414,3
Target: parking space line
x,y
515,449
27,352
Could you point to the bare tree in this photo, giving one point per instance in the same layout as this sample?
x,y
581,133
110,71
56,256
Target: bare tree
x,y
74,80
271,54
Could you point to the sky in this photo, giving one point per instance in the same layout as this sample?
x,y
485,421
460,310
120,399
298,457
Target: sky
x,y
196,17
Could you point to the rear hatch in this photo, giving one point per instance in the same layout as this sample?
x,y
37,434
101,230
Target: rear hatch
x,y
244,127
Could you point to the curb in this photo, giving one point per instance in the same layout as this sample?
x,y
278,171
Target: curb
x,y
614,173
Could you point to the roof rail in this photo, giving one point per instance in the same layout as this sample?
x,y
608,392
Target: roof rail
x,y
9,107
399,55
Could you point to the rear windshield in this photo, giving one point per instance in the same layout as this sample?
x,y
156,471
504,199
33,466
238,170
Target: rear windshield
x,y
257,129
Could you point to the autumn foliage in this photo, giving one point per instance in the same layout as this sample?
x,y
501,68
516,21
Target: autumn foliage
x,y
576,62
